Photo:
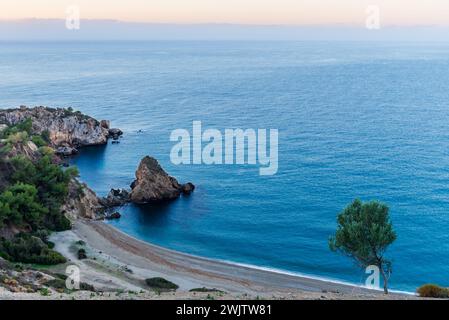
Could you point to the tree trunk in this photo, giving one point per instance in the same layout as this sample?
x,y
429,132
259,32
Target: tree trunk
x,y
384,276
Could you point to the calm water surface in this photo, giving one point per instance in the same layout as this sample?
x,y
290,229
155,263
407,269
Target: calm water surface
x,y
355,120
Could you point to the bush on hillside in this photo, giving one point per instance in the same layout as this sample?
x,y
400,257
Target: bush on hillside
x,y
433,291
20,205
24,126
161,284
29,249
52,187
38,141
82,254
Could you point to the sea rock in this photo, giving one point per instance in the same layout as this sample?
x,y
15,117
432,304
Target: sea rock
x,y
64,126
116,197
66,151
115,133
187,188
153,184
114,215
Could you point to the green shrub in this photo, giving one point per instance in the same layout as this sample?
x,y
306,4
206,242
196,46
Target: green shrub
x,y
4,149
51,183
46,136
46,151
204,289
60,284
24,126
56,284
82,254
20,205
42,234
60,276
18,137
87,287
26,248
433,291
48,257
50,244
161,283
44,292
38,141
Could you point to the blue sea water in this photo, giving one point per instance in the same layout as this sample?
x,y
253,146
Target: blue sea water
x,y
367,120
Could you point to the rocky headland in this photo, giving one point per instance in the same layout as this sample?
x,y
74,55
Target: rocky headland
x,y
55,132
67,130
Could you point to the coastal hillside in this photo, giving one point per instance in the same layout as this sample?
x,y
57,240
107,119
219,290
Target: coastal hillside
x,y
38,194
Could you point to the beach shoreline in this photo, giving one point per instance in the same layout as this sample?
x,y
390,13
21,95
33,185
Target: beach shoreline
x,y
189,271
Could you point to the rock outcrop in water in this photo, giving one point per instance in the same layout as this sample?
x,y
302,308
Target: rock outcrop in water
x,y
65,127
116,198
187,188
153,184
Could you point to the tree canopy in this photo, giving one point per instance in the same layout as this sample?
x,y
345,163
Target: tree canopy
x,y
364,233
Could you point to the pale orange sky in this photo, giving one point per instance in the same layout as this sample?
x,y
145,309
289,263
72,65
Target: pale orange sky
x,y
393,12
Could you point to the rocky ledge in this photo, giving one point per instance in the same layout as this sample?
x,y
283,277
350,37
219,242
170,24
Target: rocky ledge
x,y
66,129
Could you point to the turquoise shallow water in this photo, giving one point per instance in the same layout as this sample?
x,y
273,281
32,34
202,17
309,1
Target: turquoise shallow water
x,y
354,119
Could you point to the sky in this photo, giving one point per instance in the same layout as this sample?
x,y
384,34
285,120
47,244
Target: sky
x,y
266,12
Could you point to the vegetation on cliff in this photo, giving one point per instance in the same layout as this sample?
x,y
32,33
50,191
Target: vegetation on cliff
x,y
34,189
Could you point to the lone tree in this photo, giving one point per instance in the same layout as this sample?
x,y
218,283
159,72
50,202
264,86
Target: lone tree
x,y
364,233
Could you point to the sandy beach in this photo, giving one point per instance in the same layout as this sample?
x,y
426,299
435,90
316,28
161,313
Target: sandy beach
x,y
120,262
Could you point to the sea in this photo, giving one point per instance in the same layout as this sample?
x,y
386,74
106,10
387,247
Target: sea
x,y
367,120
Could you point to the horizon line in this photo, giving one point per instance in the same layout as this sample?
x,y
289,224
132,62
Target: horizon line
x,y
338,25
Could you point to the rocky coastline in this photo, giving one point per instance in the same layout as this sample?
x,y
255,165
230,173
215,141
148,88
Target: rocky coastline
x,y
64,127
68,131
